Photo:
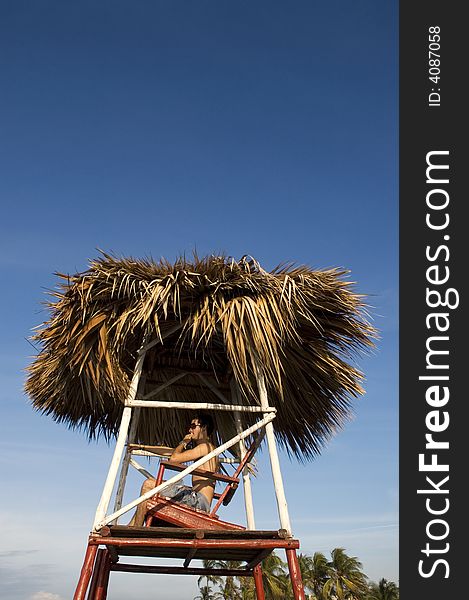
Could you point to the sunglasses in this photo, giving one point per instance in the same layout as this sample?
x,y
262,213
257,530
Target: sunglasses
x,y
193,425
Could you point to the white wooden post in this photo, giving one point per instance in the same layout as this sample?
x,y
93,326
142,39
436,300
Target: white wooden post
x,y
198,406
128,452
126,461
274,460
248,503
114,466
120,444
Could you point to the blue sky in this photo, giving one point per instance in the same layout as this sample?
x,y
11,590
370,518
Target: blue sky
x,y
155,128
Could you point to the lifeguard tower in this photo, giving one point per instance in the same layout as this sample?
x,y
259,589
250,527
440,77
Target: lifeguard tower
x,y
134,347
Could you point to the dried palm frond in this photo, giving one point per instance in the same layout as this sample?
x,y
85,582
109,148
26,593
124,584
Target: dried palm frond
x,y
214,317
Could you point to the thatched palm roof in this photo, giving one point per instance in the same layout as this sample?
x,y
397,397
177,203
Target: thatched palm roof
x,y
215,317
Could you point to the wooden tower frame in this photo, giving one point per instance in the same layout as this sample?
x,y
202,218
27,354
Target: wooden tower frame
x,y
108,540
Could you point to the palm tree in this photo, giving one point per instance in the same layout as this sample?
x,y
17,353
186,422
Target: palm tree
x,y
274,578
345,580
247,588
384,590
317,576
227,584
230,590
209,579
205,593
305,563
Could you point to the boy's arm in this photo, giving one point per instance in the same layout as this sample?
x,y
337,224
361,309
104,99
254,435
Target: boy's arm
x,y
181,455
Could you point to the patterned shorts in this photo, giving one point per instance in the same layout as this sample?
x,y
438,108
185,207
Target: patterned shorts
x,y
186,495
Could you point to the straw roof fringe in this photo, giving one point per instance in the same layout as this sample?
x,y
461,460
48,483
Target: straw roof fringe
x,y
215,317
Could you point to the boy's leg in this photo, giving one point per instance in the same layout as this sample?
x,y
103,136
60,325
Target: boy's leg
x,y
139,515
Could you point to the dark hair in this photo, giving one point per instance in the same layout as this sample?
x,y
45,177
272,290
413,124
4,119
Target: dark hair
x,y
205,420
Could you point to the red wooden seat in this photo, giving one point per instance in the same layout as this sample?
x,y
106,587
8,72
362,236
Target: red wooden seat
x,y
163,511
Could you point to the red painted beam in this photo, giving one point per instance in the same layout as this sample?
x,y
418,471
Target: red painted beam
x,y
103,577
96,572
259,584
86,571
207,474
193,543
167,570
295,575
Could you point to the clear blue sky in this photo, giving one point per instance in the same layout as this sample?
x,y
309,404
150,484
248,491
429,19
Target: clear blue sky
x,y
155,128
